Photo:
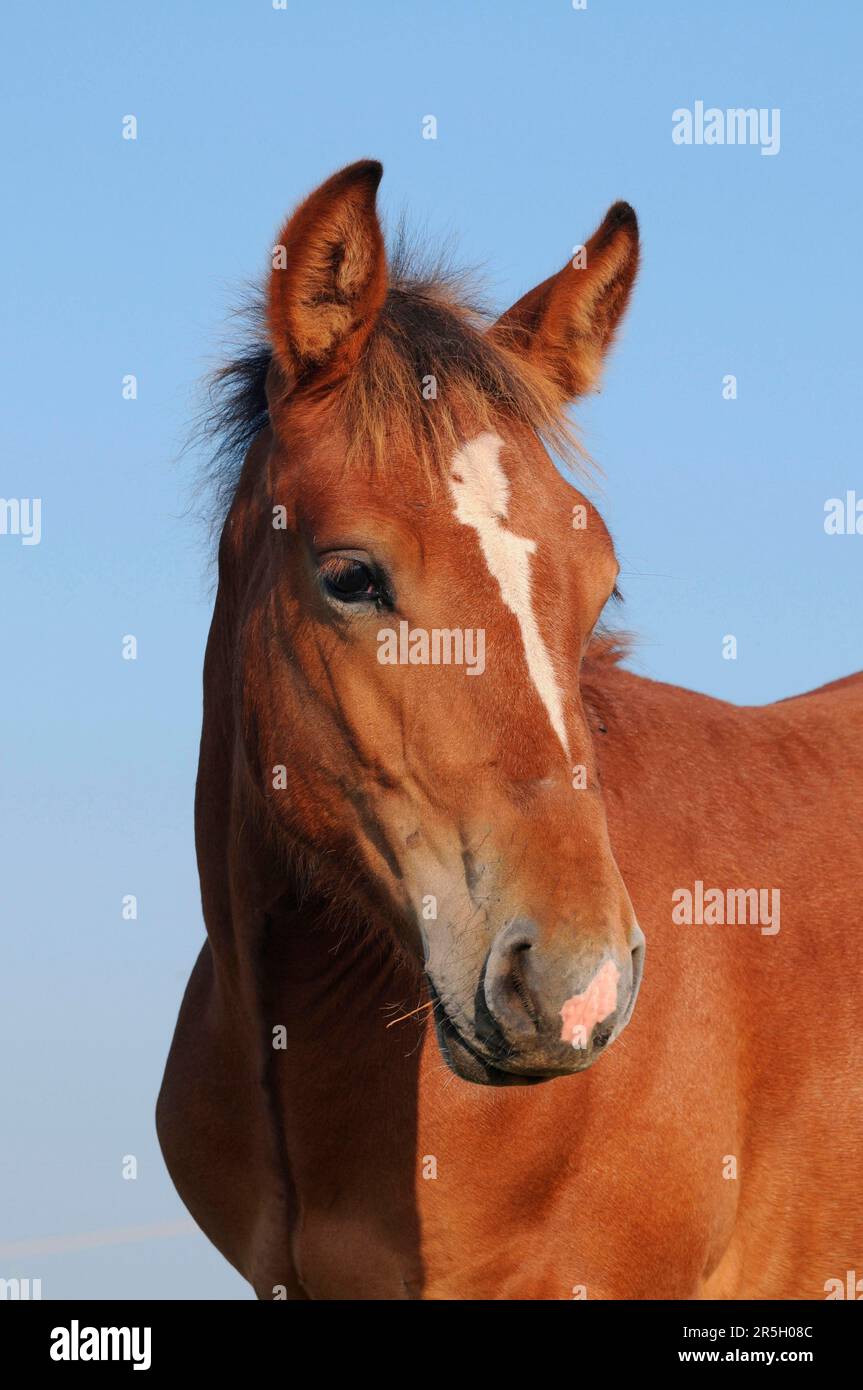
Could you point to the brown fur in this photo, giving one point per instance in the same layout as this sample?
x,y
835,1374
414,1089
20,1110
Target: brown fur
x,y
308,1166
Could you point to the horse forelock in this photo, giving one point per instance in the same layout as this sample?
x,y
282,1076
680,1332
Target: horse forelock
x,y
429,375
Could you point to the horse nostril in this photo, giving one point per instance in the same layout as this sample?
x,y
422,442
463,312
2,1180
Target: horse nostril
x,y
637,959
601,1037
637,963
636,936
517,979
506,988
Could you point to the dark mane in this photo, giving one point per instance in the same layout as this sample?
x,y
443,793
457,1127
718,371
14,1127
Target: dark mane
x,y
234,413
433,324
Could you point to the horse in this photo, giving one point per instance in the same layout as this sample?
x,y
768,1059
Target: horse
x,y
425,1051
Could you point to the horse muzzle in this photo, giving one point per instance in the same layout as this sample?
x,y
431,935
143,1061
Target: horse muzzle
x,y
536,1014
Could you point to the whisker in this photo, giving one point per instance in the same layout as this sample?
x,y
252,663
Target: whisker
x,y
429,1004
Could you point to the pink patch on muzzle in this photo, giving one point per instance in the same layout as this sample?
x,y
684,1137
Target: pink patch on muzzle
x,y
582,1011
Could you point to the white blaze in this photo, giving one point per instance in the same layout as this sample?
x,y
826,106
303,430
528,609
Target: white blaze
x,y
480,489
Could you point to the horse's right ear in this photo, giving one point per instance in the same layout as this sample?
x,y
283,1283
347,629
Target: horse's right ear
x,y
329,276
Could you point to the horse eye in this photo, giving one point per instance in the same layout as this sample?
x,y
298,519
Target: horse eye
x,y
349,580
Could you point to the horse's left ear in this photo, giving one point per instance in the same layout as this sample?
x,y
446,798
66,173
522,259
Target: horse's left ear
x,y
329,276
566,325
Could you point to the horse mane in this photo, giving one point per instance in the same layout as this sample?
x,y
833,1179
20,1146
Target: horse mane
x,y
433,324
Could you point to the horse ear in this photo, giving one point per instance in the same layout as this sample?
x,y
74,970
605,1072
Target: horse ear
x,y
566,325
329,275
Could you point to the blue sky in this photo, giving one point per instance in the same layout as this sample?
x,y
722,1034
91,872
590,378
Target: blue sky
x,y
125,257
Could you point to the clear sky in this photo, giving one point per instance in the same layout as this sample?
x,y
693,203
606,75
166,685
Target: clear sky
x,y
123,256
